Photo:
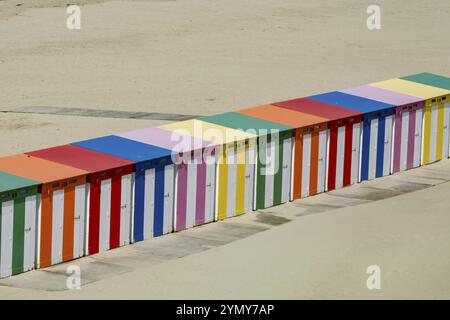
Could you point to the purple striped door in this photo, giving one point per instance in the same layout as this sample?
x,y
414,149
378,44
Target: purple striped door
x,y
189,206
407,137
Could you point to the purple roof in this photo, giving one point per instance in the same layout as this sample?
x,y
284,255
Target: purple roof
x,y
386,96
162,138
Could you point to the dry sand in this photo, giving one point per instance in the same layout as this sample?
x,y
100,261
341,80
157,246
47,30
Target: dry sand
x,y
202,57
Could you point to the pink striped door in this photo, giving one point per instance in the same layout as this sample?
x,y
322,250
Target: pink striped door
x,y
407,137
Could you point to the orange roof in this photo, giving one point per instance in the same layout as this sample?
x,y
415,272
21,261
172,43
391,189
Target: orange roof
x,y
38,169
284,116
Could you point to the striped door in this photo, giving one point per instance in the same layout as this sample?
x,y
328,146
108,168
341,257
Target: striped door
x,y
407,138
109,218
17,235
273,170
63,211
232,179
195,191
310,163
436,130
343,154
376,147
154,188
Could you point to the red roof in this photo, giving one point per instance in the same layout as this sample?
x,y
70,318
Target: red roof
x,y
81,158
324,110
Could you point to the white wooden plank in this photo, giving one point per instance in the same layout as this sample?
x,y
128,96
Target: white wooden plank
x,y
57,226
105,214
7,238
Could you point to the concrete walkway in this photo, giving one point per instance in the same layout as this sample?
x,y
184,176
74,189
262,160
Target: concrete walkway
x,y
319,247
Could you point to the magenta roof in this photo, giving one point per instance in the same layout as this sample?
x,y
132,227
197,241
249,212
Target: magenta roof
x,y
382,95
162,138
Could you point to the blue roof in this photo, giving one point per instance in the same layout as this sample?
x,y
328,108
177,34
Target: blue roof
x,y
124,148
351,102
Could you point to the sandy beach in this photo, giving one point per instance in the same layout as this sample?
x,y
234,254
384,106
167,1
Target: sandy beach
x,y
198,57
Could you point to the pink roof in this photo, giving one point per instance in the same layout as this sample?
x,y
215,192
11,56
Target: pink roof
x,y
171,140
382,95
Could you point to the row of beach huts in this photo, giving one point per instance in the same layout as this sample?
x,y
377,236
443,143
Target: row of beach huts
x,y
65,202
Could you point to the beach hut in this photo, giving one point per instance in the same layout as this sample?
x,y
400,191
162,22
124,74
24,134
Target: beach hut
x,y
153,182
344,131
273,157
376,142
310,144
195,173
61,220
430,79
108,192
407,132
436,115
235,166
18,219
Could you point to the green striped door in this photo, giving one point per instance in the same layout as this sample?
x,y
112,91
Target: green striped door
x,y
18,212
274,169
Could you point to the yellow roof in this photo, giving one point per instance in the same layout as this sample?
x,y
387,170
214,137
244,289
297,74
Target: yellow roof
x,y
411,88
208,131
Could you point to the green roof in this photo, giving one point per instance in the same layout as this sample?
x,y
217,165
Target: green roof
x,y
245,123
430,79
9,182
